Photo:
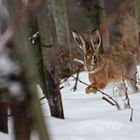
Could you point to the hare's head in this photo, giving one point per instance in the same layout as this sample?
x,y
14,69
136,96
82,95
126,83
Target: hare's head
x,y
90,49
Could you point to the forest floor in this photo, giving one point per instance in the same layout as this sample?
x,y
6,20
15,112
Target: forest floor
x,y
89,117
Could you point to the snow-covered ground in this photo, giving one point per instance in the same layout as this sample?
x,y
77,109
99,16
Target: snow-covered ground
x,y
88,117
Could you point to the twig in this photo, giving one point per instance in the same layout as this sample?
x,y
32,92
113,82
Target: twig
x,y
131,79
42,98
115,96
127,105
131,116
104,98
107,95
76,80
80,81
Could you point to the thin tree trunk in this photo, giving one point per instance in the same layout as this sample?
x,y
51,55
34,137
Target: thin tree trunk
x,y
104,31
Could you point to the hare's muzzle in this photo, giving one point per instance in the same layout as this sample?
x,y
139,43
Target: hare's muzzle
x,y
88,68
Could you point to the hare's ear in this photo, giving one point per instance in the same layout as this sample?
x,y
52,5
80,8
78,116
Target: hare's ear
x,y
95,39
79,40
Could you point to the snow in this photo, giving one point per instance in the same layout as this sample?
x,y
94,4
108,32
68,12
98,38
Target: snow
x,y
6,65
88,117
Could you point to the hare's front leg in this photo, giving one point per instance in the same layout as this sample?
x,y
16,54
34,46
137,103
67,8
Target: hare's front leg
x,y
93,88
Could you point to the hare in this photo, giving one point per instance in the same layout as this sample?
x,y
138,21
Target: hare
x,y
105,68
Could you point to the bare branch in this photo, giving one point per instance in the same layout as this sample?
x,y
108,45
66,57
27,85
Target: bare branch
x,y
104,98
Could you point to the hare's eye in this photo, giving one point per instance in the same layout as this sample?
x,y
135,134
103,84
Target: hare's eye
x,y
94,58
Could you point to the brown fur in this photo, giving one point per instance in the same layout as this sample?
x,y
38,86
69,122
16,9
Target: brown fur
x,y
104,68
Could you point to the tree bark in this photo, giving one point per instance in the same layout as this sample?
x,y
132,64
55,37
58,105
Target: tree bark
x,y
37,51
48,51
61,23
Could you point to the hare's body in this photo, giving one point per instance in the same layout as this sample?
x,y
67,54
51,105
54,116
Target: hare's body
x,y
106,68
114,68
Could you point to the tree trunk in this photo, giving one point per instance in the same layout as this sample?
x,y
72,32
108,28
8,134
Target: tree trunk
x,y
54,98
104,31
37,50
61,23
62,45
